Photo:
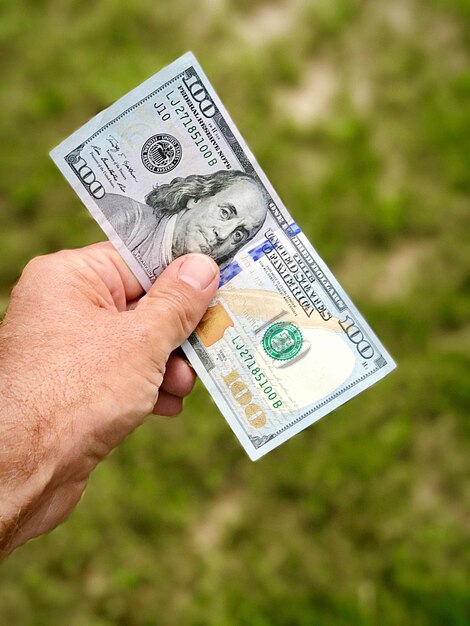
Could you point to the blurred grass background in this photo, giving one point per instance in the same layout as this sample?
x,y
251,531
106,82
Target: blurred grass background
x,y
359,112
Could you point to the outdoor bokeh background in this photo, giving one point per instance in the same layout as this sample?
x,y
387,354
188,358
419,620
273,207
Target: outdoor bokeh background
x,y
359,113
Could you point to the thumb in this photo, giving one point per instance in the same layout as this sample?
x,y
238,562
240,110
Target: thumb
x,y
178,299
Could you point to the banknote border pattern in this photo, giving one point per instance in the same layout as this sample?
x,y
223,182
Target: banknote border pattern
x,y
331,292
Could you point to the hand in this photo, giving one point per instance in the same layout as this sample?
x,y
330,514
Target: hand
x,y
83,360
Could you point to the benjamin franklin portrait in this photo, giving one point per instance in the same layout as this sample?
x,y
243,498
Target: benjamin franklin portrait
x,y
216,214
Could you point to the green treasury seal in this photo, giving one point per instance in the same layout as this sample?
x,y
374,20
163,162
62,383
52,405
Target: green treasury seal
x,y
282,341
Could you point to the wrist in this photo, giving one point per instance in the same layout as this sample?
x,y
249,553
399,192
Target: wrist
x,y
26,454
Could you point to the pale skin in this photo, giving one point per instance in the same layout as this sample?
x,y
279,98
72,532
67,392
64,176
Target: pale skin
x,y
84,358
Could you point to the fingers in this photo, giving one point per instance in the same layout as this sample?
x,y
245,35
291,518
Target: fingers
x,y
178,382
95,274
177,301
114,272
168,405
179,376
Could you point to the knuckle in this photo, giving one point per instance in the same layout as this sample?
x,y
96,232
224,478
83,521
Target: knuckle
x,y
40,271
45,264
36,265
32,279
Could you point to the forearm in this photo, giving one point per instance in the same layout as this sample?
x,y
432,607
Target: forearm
x,y
29,459
38,486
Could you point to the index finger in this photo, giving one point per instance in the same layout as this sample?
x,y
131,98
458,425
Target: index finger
x,y
106,261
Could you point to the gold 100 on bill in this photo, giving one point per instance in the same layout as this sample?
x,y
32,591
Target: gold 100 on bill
x,y
164,171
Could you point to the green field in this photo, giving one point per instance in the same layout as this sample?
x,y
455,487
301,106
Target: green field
x,y
359,113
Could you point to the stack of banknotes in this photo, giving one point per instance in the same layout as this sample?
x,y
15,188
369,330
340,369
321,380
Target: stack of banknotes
x,y
164,171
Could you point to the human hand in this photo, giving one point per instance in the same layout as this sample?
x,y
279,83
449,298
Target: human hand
x,y
83,360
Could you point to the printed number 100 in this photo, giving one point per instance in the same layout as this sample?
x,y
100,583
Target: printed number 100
x,y
253,412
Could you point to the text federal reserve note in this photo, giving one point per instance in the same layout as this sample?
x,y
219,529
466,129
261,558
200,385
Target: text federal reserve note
x,y
164,171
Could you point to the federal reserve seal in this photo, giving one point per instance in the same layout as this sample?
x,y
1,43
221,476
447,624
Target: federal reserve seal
x,y
282,341
161,153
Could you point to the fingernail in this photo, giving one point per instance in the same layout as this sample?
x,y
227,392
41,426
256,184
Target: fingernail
x,y
198,271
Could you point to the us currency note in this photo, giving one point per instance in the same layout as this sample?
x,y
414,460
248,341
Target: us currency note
x,y
164,171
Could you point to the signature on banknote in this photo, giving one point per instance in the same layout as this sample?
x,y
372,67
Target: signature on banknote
x,y
165,172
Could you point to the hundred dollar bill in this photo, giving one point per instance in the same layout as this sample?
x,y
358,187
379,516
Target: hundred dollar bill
x,y
164,171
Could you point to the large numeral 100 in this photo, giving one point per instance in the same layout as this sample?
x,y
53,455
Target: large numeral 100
x,y
87,176
243,396
356,337
196,89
